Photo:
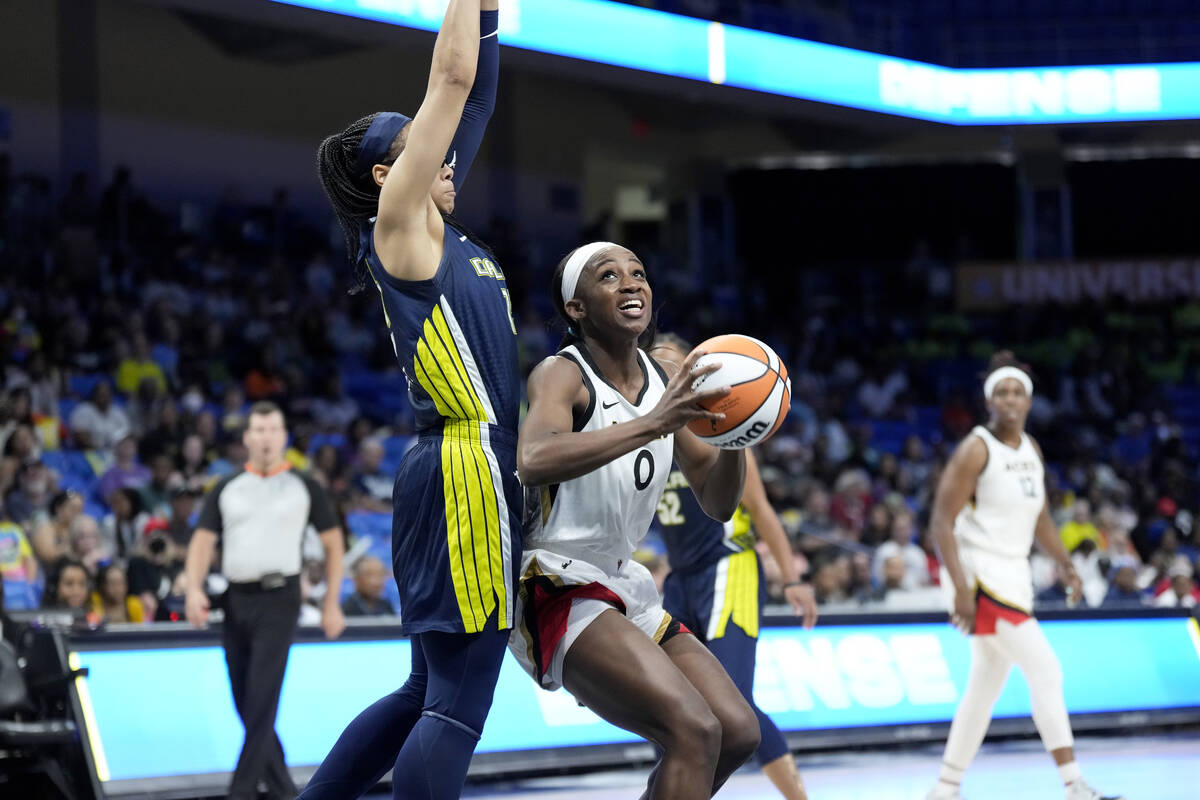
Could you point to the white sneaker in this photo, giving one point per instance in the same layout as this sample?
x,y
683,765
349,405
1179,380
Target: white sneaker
x,y
943,791
1080,790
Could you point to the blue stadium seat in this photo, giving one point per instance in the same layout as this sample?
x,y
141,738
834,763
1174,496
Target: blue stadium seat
x,y
82,385
319,440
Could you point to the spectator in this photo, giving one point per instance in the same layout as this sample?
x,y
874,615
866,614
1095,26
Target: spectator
x,y
121,529
916,565
67,586
153,569
831,582
143,407
52,538
166,434
183,506
126,472
893,577
232,458
156,492
27,504
851,502
98,424
1080,527
1124,592
368,599
111,601
334,410
18,566
879,525
1181,592
193,463
371,485
86,547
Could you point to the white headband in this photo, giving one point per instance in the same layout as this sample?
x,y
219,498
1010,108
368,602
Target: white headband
x,y
575,265
1007,372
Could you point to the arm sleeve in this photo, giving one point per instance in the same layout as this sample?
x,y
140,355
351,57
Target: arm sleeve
x,y
320,507
210,511
480,102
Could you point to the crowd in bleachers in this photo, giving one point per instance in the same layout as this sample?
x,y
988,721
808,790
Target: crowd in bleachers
x,y
132,344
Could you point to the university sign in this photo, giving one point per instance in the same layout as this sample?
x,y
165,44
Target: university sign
x,y
995,286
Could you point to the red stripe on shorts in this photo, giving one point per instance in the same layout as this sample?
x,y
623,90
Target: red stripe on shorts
x,y
988,611
551,611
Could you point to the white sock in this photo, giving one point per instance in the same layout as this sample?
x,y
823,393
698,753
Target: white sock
x,y
1070,772
951,776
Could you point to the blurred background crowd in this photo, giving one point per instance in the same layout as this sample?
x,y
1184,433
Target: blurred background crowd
x,y
133,344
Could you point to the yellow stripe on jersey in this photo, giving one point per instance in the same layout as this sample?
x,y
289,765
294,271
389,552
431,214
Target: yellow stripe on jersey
x,y
741,594
472,526
451,348
472,510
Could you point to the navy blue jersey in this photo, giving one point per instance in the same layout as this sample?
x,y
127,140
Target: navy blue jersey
x,y
456,501
453,335
695,540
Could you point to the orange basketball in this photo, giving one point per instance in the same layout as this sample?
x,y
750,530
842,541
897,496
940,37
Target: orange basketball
x,y
760,397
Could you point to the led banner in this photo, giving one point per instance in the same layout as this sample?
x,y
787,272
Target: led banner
x,y
996,286
669,44
165,712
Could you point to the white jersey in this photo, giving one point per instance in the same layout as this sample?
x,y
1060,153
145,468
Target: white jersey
x,y
1009,496
600,517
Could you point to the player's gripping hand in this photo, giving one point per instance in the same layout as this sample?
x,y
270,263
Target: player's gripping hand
x,y
680,404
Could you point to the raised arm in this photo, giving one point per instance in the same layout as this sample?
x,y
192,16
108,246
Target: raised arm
x,y
956,487
550,451
482,100
404,197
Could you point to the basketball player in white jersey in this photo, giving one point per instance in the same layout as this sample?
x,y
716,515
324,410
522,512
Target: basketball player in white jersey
x,y
989,508
605,421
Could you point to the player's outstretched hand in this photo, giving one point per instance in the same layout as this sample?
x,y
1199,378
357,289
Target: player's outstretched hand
x,y
680,404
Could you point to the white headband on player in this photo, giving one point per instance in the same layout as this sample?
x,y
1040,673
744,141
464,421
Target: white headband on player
x,y
1016,374
575,265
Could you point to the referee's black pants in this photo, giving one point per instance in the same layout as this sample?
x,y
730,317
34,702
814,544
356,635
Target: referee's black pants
x,y
258,630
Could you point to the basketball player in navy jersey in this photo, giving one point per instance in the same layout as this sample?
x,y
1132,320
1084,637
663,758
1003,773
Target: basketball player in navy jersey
x,y
716,586
604,422
989,508
392,182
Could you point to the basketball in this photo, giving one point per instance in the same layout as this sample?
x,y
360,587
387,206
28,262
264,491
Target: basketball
x,y
759,399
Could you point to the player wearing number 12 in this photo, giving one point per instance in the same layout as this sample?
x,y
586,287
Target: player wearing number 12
x,y
989,508
605,421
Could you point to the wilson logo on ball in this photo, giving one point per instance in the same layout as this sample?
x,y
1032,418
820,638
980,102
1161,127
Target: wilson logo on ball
x,y
759,397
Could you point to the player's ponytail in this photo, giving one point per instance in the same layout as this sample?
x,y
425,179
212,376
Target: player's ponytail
x,y
354,197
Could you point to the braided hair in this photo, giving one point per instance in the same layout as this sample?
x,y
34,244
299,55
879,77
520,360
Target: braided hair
x,y
573,333
355,197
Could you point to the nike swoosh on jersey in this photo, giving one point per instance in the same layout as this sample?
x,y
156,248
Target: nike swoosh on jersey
x,y
610,405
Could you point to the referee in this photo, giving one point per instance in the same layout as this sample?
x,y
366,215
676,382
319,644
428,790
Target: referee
x,y
259,515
